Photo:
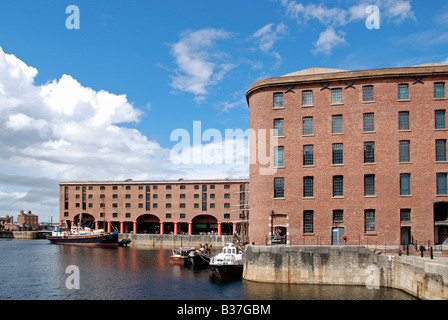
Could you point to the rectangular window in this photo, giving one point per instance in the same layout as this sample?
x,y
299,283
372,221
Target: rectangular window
x,y
308,155
279,130
307,98
338,186
405,151
307,126
279,187
369,221
441,150
338,216
442,184
440,119
367,93
405,184
369,152
336,96
168,215
279,156
405,215
308,187
369,122
439,90
403,120
278,100
204,206
403,91
369,185
338,153
308,221
182,206
336,125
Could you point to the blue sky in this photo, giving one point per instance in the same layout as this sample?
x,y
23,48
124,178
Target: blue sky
x,y
100,102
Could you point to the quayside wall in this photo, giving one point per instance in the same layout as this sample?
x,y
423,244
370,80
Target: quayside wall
x,y
175,241
351,265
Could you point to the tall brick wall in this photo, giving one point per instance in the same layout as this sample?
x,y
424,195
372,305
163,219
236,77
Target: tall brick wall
x,y
387,201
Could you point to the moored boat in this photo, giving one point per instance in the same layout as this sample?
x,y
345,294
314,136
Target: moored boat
x,y
228,263
199,258
84,237
124,242
180,255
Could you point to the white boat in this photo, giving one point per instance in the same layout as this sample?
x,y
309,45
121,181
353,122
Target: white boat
x,y
228,263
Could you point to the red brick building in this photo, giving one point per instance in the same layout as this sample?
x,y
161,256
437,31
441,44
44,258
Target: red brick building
x,y
359,153
28,221
157,207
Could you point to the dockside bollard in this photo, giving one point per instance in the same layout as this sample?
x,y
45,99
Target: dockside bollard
x,y
422,249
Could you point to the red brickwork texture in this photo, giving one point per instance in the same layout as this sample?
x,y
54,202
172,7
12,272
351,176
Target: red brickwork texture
x,y
387,201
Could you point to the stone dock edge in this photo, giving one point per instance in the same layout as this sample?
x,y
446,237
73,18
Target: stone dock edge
x,y
423,278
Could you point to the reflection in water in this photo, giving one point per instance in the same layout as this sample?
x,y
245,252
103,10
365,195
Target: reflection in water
x,y
36,270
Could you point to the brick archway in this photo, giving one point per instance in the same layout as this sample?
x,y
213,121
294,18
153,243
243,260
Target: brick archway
x,y
204,224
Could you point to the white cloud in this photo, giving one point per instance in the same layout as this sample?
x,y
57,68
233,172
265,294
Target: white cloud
x,y
199,63
267,36
63,131
328,40
395,11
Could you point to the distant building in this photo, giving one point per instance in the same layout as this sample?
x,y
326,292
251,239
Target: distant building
x,y
156,207
7,223
28,221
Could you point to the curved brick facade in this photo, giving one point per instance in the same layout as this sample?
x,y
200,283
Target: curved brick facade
x,y
360,159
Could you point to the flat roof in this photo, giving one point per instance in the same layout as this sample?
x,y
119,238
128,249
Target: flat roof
x,y
316,75
179,181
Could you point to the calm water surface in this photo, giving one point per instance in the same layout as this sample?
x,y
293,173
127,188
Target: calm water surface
x,y
36,270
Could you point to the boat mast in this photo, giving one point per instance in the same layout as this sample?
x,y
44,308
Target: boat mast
x,y
104,218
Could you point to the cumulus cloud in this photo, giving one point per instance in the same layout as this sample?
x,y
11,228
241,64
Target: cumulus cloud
x,y
199,63
328,40
395,11
267,36
64,131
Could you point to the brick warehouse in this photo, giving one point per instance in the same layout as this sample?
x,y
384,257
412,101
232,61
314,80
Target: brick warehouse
x,y
359,153
156,207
